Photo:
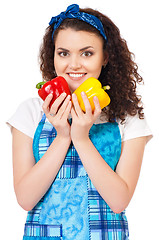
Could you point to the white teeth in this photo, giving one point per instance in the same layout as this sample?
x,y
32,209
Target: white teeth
x,y
76,75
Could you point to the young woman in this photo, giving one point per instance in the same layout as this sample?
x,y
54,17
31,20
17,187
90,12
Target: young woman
x,y
74,172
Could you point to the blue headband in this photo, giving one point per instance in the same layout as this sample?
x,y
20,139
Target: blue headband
x,y
73,12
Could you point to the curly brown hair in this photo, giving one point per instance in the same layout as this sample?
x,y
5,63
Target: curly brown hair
x,y
120,73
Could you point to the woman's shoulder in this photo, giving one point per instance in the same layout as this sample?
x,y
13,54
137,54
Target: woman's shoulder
x,y
31,108
27,116
134,127
32,103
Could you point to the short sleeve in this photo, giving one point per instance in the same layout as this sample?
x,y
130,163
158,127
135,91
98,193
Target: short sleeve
x,y
135,127
27,116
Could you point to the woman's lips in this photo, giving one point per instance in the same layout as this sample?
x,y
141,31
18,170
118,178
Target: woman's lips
x,y
76,76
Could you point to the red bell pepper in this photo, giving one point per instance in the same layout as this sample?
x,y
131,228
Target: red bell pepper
x,y
55,86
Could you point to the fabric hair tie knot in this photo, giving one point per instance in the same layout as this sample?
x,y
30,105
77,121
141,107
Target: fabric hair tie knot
x,y
72,11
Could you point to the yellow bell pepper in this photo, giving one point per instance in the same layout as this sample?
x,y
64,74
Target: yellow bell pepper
x,y
92,87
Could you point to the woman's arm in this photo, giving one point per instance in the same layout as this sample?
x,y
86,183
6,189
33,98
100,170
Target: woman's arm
x,y
31,181
116,188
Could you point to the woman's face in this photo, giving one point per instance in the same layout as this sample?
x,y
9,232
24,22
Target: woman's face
x,y
78,56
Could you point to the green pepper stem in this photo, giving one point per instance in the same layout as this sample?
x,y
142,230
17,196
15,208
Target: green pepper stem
x,y
40,84
106,87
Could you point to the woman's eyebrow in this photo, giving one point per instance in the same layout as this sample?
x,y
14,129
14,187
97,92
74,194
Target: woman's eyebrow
x,y
85,48
63,49
82,49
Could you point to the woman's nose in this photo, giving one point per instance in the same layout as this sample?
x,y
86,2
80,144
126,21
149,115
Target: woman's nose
x,y
75,63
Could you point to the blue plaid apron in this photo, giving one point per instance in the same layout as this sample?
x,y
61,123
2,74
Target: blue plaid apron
x,y
72,208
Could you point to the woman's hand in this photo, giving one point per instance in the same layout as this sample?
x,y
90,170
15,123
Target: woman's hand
x,y
58,113
82,122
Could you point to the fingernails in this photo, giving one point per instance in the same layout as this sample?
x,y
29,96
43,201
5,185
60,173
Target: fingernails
x,y
63,94
82,93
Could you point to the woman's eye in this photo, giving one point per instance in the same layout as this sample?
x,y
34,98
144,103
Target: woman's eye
x,y
87,54
63,54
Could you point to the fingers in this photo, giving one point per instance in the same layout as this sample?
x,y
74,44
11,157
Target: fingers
x,y
86,103
58,107
73,113
55,106
65,108
62,105
46,104
97,110
77,108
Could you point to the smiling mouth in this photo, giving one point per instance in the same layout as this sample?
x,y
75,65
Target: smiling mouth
x,y
76,75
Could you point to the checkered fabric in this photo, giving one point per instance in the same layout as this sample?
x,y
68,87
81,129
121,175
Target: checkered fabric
x,y
33,215
104,223
39,230
72,166
72,201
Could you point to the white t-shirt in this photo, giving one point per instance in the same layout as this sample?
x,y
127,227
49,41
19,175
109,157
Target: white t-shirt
x,y
29,113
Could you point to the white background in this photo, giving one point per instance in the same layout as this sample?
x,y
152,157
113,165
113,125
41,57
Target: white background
x,y
22,25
